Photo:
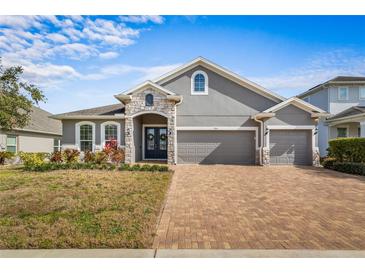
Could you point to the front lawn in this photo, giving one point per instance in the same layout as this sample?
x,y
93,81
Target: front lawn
x,y
80,208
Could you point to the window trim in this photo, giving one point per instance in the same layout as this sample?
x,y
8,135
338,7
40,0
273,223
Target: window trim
x,y
77,133
361,87
59,147
16,142
347,94
102,132
347,131
193,92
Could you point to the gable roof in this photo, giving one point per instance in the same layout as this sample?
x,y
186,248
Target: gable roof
x,y
41,122
147,84
336,80
347,113
298,103
200,61
108,111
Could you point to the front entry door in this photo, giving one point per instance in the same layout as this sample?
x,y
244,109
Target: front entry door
x,y
155,144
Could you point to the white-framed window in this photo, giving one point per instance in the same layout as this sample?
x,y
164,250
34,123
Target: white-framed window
x,y
56,144
85,135
362,93
343,93
342,132
11,143
199,83
110,131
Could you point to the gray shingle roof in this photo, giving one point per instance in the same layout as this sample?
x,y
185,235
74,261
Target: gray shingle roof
x,y
40,121
349,112
340,79
103,110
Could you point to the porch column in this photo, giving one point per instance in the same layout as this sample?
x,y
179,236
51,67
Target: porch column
x,y
129,145
362,129
171,129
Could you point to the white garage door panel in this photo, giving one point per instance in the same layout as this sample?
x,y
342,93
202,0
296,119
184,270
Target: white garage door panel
x,y
216,147
291,147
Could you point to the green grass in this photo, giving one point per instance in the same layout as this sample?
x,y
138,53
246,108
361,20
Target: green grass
x,y
80,208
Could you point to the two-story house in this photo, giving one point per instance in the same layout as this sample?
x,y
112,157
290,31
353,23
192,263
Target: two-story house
x,y
344,98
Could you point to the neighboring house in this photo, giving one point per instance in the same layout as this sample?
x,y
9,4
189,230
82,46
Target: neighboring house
x,y
42,134
344,98
200,113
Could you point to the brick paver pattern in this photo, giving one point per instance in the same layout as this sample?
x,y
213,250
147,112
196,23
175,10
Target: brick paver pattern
x,y
219,206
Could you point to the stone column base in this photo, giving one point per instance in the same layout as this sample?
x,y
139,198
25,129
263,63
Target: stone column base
x,y
316,157
265,156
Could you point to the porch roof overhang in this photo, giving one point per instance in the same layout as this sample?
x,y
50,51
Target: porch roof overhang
x,y
357,118
93,117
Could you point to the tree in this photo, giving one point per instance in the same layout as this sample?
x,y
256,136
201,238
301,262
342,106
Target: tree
x,y
16,98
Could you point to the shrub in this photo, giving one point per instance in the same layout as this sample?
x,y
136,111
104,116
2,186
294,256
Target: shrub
x,y
124,167
351,168
71,155
163,168
135,167
101,157
5,155
89,157
145,168
347,149
328,162
56,157
117,156
30,159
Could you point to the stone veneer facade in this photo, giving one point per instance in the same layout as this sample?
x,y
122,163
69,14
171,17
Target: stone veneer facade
x,y
161,105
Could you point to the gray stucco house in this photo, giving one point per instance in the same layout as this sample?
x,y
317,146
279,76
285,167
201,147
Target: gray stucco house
x,y
42,134
343,97
200,113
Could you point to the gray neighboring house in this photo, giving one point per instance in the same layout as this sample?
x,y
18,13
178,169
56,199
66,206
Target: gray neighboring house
x,y
200,113
42,134
343,97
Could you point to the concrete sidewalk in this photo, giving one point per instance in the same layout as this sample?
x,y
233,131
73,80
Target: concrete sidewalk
x,y
179,253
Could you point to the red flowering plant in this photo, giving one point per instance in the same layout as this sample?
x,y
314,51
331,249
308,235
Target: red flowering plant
x,y
110,146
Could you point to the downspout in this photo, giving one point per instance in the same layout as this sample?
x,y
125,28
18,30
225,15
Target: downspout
x,y
261,138
175,142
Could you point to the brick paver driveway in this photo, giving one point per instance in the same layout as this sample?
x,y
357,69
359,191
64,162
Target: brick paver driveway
x,y
263,207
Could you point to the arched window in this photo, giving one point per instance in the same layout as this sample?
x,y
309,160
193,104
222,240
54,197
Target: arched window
x,y
149,100
110,133
199,83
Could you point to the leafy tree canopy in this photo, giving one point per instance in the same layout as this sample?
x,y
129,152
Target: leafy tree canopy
x,y
16,98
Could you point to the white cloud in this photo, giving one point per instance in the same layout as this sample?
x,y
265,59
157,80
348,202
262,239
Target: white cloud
x,y
109,55
58,38
142,19
38,41
318,69
145,73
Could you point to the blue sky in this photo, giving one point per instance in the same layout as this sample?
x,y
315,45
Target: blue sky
x,y
82,61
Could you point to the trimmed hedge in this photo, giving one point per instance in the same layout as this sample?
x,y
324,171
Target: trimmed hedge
x,y
124,167
347,149
351,168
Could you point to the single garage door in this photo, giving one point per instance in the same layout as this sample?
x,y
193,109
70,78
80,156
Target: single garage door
x,y
216,147
291,147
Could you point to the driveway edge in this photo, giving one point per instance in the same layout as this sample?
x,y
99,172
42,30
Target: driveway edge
x,y
179,253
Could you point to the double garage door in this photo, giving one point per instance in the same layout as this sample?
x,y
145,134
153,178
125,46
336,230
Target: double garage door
x,y
291,147
216,147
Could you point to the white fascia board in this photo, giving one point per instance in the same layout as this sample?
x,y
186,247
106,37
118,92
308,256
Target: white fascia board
x,y
88,117
298,103
216,128
147,84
